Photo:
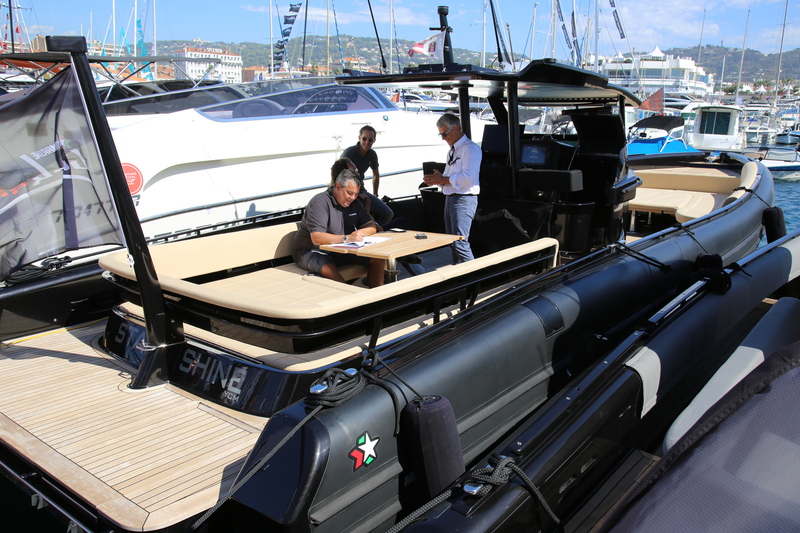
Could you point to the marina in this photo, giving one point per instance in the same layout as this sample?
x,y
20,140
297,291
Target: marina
x,y
170,363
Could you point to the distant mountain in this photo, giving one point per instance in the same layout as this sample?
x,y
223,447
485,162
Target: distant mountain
x,y
757,67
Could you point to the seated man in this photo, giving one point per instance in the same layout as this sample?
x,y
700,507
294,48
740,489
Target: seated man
x,y
333,217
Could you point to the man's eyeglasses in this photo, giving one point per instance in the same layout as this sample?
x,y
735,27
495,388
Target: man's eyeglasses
x,y
367,140
445,134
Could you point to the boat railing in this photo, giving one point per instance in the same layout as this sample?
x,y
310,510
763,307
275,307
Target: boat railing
x,y
235,201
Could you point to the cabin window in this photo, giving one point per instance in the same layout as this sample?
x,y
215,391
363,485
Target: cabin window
x,y
715,123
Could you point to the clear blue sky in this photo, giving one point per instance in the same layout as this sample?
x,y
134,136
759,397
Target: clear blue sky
x,y
665,23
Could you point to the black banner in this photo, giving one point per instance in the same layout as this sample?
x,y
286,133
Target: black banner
x,y
619,25
53,192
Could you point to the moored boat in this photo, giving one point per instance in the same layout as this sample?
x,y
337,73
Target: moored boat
x,y
208,364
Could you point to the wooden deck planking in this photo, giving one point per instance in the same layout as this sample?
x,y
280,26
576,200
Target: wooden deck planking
x,y
146,459
100,452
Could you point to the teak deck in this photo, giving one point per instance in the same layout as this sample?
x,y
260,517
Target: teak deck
x,y
151,457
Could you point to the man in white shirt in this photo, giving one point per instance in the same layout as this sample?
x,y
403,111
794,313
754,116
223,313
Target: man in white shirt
x,y
459,183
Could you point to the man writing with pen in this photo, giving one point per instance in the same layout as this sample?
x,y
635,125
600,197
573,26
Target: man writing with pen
x,y
333,217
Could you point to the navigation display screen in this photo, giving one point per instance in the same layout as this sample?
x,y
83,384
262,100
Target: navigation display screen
x,y
536,155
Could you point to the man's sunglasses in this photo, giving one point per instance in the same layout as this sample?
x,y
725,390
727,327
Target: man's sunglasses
x,y
445,134
367,140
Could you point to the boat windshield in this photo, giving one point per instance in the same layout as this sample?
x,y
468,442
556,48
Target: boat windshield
x,y
169,101
314,100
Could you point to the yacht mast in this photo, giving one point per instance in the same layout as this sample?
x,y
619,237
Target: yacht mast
x,y
741,61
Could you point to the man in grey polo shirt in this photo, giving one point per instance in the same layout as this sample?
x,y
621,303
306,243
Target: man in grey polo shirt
x,y
333,217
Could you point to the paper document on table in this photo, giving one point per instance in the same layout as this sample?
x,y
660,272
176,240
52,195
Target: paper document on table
x,y
367,240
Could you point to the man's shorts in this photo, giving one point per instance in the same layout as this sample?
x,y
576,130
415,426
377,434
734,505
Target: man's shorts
x,y
314,260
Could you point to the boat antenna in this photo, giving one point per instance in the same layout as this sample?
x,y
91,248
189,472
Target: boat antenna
x,y
377,37
447,53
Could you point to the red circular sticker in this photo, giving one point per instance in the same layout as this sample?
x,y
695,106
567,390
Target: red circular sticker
x,y
134,177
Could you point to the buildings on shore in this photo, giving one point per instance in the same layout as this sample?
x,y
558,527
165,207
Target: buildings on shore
x,y
644,74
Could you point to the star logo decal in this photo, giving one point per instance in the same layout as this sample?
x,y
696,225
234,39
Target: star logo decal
x,y
364,451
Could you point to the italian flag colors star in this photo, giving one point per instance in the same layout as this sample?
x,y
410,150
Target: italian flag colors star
x,y
364,451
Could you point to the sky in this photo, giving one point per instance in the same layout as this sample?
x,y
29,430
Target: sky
x,y
646,23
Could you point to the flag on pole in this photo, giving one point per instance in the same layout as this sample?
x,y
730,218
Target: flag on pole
x,y
433,46
655,102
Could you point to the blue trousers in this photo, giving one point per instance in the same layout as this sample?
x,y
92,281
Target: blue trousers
x,y
459,210
381,212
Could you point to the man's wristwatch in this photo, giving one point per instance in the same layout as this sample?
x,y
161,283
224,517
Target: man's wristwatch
x,y
344,238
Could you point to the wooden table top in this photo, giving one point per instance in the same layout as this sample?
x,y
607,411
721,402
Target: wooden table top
x,y
398,245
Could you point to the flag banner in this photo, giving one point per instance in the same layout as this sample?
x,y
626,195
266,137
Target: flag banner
x,y
613,4
280,45
560,14
278,56
54,195
288,20
147,72
294,8
286,32
577,51
619,24
566,36
655,102
433,46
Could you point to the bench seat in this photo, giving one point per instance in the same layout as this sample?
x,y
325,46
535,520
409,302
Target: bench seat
x,y
285,292
690,195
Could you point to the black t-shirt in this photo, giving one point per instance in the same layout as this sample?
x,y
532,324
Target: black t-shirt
x,y
362,163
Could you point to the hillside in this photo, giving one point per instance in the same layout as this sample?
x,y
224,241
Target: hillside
x,y
757,67
317,49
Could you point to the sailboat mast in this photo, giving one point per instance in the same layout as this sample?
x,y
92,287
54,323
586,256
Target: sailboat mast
x,y
780,53
155,42
483,50
533,29
741,61
11,22
553,26
596,37
135,28
271,45
700,51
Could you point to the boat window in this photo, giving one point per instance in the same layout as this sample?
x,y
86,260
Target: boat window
x,y
715,123
315,100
